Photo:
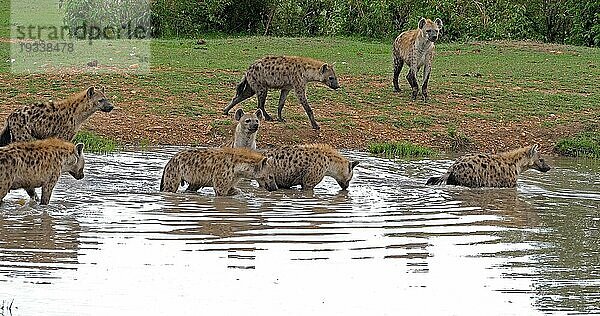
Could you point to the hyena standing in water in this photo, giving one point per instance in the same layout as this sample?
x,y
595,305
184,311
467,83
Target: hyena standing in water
x,y
245,130
486,170
61,119
415,48
285,73
307,165
220,168
30,165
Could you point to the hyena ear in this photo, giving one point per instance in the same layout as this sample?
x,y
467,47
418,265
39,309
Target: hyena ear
x,y
238,114
90,92
258,114
439,23
324,68
79,149
421,23
102,89
533,150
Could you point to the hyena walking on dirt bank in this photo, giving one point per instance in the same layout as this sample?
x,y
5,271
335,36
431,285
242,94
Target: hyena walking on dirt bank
x,y
61,119
415,48
285,73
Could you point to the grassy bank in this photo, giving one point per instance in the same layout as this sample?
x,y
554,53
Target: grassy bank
x,y
586,144
401,150
487,96
96,143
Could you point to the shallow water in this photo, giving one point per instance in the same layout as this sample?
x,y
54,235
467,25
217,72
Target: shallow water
x,y
111,244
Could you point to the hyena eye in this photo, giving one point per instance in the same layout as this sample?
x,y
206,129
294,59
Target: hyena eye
x,y
331,78
248,121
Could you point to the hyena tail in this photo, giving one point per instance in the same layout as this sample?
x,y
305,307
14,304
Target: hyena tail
x,y
242,92
5,137
171,178
437,180
242,87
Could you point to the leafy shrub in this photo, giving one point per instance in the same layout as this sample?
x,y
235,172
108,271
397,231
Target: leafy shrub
x,y
561,21
109,16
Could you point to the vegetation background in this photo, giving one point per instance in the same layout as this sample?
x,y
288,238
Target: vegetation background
x,y
575,22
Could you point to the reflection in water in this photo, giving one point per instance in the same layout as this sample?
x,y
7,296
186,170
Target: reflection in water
x,y
389,243
34,242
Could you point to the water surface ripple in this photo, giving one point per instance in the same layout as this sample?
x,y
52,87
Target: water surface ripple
x,y
111,243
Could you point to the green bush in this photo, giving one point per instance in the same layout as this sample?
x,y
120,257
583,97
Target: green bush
x,y
560,21
110,16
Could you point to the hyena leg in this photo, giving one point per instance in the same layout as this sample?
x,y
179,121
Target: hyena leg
x,y
262,98
47,191
412,80
301,94
426,72
398,64
171,178
234,191
221,185
4,188
311,179
239,97
282,97
19,133
193,188
32,194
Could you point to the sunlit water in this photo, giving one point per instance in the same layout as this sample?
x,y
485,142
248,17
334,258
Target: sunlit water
x,y
111,244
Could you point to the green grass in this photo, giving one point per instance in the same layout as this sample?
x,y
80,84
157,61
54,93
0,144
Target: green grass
x,y
586,145
96,143
401,149
518,81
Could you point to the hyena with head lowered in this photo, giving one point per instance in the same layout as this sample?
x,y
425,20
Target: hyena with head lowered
x,y
285,73
61,119
245,130
30,165
220,168
415,48
487,170
307,165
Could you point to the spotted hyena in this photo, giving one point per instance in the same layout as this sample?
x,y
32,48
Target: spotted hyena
x,y
245,130
415,48
220,168
285,73
61,119
307,165
30,165
487,170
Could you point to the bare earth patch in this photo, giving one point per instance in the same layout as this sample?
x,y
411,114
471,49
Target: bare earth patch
x,y
149,114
